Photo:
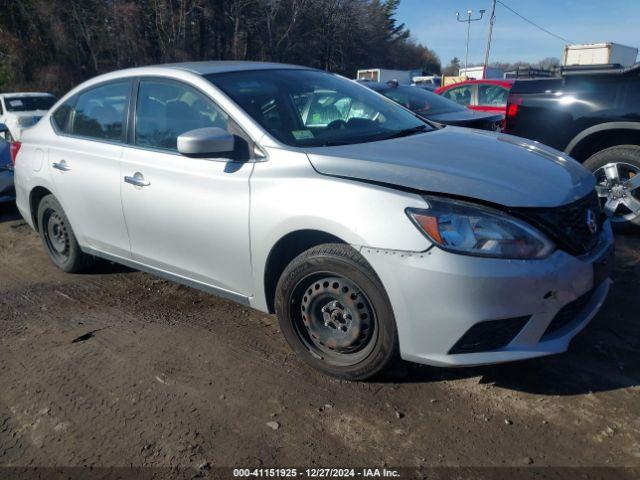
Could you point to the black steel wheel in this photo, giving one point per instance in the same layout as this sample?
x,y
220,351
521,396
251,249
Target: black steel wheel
x,y
335,314
337,321
58,238
56,235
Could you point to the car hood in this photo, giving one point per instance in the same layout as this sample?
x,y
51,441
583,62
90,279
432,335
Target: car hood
x,y
495,168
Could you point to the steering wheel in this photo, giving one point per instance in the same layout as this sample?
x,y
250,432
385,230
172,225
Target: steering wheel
x,y
337,125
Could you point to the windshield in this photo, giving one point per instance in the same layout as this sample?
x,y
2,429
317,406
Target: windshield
x,y
421,101
29,103
308,108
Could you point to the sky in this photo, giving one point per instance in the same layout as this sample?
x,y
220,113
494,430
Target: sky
x,y
433,23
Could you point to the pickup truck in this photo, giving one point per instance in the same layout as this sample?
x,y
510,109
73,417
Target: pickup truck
x,y
592,114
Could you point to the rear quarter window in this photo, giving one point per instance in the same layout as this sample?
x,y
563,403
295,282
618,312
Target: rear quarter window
x,y
60,117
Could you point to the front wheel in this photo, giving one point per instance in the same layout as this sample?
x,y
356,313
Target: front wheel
x,y
617,171
335,313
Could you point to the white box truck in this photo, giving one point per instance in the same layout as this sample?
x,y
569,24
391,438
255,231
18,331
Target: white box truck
x,y
384,75
480,73
600,54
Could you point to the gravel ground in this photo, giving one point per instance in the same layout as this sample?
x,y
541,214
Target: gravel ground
x,y
119,368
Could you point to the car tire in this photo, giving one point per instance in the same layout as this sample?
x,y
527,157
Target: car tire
x,y
335,313
58,238
626,159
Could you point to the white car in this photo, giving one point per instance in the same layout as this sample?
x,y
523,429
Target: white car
x,y
22,110
369,231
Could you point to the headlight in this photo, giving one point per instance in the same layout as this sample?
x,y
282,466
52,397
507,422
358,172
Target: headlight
x,y
471,229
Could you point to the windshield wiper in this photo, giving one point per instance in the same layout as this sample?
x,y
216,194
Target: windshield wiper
x,y
407,132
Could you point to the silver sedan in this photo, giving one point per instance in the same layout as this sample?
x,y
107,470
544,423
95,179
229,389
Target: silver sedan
x,y
371,233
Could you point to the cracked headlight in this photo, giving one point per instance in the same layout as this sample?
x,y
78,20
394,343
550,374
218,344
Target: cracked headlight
x,y
472,229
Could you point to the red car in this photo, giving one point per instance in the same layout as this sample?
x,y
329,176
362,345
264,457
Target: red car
x,y
484,95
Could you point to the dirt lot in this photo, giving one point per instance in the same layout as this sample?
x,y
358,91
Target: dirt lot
x,y
122,368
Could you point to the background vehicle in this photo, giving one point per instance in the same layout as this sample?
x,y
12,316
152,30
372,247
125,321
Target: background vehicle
x,y
482,95
592,114
384,75
436,108
600,54
22,110
428,82
301,193
480,73
7,191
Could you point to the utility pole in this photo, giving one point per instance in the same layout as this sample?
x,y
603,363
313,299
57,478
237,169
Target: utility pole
x,y
492,20
468,21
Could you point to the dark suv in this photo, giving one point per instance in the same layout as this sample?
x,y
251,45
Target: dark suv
x,y
592,114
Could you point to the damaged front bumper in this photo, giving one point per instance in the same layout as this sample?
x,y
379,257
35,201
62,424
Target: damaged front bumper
x,y
457,310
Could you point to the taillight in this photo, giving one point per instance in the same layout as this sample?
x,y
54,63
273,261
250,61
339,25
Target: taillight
x,y
14,148
513,104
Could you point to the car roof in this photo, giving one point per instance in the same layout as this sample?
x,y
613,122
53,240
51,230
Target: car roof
x,y
505,82
25,94
376,86
211,67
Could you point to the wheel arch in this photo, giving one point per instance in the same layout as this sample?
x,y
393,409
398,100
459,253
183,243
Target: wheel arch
x,y
600,137
284,251
35,197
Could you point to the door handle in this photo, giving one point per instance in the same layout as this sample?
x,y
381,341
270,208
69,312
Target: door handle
x,y
61,165
137,179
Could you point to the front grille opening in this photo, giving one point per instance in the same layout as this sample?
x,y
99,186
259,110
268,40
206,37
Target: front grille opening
x,y
567,314
489,335
568,224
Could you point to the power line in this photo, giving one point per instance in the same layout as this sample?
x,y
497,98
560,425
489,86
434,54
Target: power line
x,y
533,23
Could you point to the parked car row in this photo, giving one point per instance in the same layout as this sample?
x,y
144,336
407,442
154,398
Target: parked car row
x,y
22,110
436,108
593,115
371,232
483,95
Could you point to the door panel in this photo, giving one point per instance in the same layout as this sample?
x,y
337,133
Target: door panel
x,y
85,165
186,216
88,187
192,219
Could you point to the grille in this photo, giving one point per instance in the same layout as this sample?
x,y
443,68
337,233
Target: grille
x,y
568,225
567,314
489,335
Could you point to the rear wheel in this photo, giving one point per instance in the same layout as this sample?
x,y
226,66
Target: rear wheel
x,y
335,313
617,171
58,237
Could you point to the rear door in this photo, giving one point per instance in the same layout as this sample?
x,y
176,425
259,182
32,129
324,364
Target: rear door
x,y
492,98
84,159
187,216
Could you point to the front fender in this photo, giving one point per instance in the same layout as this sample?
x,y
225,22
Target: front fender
x,y
287,195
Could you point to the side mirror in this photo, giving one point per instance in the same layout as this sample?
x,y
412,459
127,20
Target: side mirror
x,y
3,128
206,142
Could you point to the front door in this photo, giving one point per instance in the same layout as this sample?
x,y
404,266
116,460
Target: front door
x,y
185,216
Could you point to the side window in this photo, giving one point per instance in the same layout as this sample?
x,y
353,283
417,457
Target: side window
x,y
166,110
62,115
99,112
492,95
1,110
461,95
